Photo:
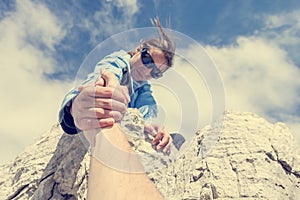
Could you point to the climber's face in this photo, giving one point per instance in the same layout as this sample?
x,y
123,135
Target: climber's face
x,y
147,63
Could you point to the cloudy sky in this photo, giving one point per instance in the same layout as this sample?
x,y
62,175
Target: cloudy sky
x,y
254,45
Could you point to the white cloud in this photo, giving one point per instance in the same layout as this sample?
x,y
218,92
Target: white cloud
x,y
130,7
284,30
184,98
112,18
261,72
258,72
28,38
29,103
187,95
259,68
283,19
259,77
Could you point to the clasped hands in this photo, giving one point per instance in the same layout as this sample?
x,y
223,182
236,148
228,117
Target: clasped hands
x,y
101,104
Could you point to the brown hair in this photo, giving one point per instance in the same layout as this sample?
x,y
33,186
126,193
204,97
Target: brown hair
x,y
163,42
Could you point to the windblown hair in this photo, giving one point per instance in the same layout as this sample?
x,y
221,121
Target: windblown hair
x,y
163,42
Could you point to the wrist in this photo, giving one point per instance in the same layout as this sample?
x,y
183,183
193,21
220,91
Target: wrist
x,y
113,150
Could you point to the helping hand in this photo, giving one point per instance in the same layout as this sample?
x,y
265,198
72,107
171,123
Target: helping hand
x,y
100,104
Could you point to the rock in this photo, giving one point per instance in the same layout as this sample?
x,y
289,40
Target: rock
x,y
55,167
141,142
253,159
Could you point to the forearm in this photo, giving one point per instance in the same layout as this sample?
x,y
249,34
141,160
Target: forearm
x,y
111,171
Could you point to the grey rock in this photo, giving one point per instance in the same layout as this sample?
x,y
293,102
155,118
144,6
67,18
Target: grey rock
x,y
252,159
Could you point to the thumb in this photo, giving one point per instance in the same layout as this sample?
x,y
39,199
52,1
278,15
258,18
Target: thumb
x,y
109,78
100,82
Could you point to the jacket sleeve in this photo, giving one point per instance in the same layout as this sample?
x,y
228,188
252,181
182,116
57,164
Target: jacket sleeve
x,y
65,118
146,103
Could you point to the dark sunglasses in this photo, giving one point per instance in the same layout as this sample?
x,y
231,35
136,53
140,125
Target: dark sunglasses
x,y
148,61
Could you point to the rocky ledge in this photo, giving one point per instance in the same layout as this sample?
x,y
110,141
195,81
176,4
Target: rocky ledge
x,y
252,159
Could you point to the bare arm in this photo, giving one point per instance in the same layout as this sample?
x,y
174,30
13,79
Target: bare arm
x,y
105,182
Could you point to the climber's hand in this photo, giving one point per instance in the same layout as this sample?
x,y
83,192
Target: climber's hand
x,y
162,138
100,104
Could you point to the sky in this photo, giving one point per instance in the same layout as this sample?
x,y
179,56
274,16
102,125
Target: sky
x,y
253,45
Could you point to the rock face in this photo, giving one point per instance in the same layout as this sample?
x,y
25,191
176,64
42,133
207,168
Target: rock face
x,y
253,159
55,167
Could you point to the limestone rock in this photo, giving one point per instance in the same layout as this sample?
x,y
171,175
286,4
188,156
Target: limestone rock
x,y
253,159
141,143
55,167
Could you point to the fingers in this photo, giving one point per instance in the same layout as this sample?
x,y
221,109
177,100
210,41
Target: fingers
x,y
90,112
101,92
110,104
104,104
92,123
119,94
107,122
100,104
96,114
86,119
125,92
107,86
101,97
98,108
150,130
110,79
167,148
101,113
163,140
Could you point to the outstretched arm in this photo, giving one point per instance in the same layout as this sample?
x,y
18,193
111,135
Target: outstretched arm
x,y
87,98
106,182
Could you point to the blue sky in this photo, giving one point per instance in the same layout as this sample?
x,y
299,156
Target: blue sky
x,y
255,45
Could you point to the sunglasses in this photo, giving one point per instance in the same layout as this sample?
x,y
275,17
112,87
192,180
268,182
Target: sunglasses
x,y
148,61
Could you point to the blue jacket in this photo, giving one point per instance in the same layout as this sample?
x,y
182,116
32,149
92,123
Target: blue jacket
x,y
117,63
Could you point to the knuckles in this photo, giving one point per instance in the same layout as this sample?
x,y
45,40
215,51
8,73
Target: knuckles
x,y
109,91
107,103
99,113
117,116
